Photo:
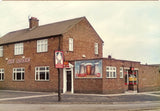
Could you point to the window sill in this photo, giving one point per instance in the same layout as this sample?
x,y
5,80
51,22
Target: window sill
x,y
111,78
42,52
18,54
42,80
70,51
18,80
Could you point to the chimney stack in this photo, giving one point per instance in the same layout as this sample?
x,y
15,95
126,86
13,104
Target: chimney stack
x,y
33,22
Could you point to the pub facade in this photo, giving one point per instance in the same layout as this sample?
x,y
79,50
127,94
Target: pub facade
x,y
27,61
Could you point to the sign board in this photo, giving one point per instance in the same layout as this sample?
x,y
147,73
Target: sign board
x,y
88,69
59,59
19,61
66,64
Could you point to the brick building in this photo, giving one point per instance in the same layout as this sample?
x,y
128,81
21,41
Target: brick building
x,y
27,61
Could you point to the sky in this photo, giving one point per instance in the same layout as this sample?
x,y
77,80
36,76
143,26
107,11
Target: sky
x,y
130,30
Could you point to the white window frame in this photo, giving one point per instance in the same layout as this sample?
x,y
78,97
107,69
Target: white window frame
x,y
1,74
15,71
18,49
96,48
70,44
42,45
121,72
1,51
111,71
37,73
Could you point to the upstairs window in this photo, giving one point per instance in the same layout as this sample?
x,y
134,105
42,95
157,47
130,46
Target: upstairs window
x,y
1,51
1,74
42,45
18,74
96,48
70,44
111,72
18,49
121,72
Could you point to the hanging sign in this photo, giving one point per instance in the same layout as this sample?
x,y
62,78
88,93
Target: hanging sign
x,y
59,59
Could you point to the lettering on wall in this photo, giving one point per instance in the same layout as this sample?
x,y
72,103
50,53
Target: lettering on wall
x,y
18,61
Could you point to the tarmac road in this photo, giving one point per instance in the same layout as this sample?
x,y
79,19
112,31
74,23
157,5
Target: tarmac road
x,y
40,101
81,107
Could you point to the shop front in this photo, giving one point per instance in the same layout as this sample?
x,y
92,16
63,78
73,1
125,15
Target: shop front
x,y
131,78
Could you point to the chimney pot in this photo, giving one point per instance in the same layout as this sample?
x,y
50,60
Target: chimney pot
x,y
109,56
33,22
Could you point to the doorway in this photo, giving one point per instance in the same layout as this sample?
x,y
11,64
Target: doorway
x,y
69,83
68,79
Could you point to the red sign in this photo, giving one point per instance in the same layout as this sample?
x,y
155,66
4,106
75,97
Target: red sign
x,y
66,64
132,68
59,59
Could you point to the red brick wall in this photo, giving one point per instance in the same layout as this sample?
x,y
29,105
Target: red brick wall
x,y
149,78
86,85
116,85
84,37
37,59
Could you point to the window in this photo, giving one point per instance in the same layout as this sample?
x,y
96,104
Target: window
x,y
70,44
42,73
18,74
121,72
18,49
1,51
96,48
1,74
42,45
111,72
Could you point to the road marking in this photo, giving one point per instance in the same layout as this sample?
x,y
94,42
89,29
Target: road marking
x,y
26,97
153,95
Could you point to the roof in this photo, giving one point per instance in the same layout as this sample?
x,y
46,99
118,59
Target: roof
x,y
103,58
42,31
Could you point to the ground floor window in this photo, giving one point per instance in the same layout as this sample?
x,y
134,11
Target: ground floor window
x,y
18,74
42,73
111,72
1,74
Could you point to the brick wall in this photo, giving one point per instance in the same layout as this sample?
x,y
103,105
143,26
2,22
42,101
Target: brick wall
x,y
149,78
86,85
84,37
36,59
116,85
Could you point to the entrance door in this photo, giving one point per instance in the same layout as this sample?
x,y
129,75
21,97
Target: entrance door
x,y
69,81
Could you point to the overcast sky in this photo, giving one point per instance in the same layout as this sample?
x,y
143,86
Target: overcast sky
x,y
130,30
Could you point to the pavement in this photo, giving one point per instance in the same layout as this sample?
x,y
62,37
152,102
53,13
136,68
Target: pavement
x,y
149,101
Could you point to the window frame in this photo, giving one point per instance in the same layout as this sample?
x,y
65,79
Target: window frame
x,y
111,70
96,48
15,70
2,73
1,51
121,72
42,45
18,49
45,71
71,43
